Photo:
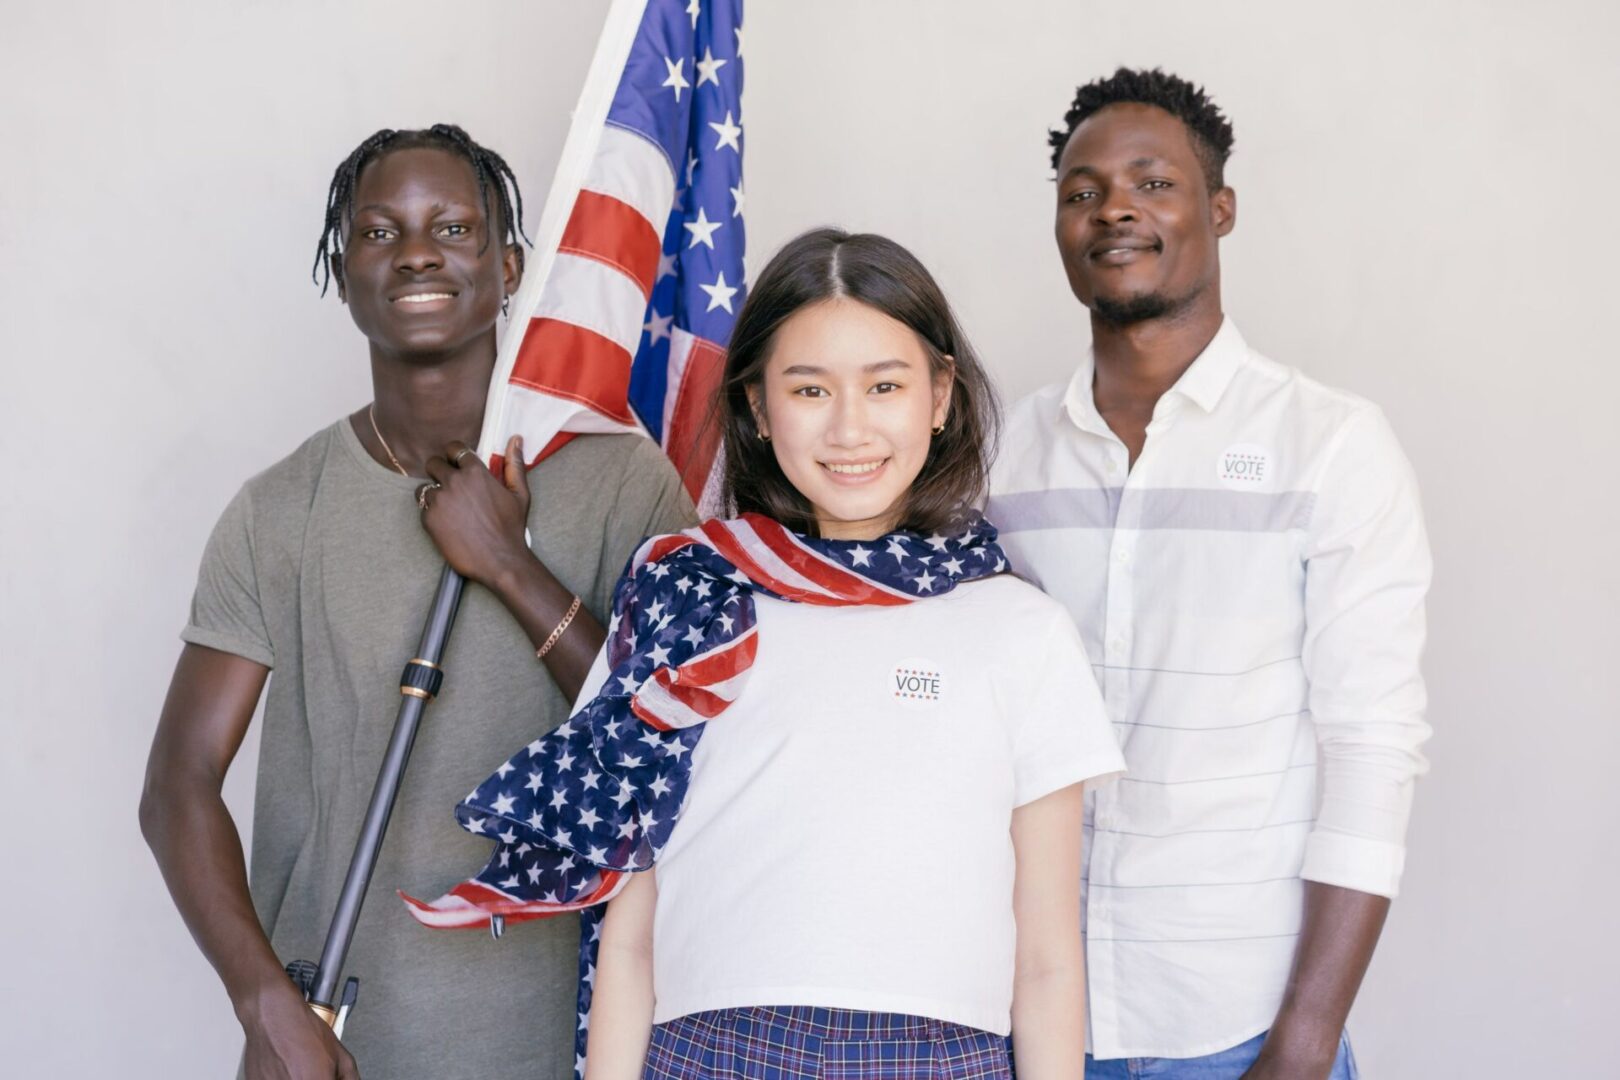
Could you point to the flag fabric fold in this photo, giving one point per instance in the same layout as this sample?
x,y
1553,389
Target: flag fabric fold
x,y
622,319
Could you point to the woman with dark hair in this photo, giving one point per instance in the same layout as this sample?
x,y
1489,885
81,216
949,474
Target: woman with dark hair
x,y
875,873
878,857
879,283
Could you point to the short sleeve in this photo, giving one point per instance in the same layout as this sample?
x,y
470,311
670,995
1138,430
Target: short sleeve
x,y
225,610
1063,734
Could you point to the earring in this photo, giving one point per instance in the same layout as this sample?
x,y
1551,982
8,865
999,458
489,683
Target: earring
x,y
762,436
506,305
939,430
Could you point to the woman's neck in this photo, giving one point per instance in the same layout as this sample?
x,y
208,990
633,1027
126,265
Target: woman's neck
x,y
869,529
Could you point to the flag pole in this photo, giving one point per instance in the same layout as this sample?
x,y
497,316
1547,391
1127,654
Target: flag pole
x,y
423,676
418,684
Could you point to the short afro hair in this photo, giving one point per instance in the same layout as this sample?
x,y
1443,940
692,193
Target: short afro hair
x,y
1210,130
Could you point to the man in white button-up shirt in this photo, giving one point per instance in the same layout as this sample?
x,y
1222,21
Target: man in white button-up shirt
x,y
1244,553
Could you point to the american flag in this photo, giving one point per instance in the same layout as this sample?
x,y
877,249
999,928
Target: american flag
x,y
637,274
580,808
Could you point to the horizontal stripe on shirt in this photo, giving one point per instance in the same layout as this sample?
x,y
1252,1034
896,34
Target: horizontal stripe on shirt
x,y
1169,508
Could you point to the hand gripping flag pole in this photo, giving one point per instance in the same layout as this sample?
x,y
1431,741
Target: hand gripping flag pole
x,y
546,426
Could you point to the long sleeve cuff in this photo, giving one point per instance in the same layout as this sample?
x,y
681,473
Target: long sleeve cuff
x,y
1354,862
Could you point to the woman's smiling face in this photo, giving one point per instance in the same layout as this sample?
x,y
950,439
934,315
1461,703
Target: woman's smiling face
x,y
849,400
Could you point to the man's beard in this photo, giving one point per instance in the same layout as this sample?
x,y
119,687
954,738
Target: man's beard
x,y
1135,309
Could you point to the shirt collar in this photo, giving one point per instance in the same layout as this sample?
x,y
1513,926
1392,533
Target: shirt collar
x,y
1078,401
1207,378
1203,383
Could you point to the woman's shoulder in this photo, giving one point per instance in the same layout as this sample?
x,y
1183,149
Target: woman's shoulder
x,y
1008,602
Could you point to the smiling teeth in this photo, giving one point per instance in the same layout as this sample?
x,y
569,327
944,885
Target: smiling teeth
x,y
852,470
422,298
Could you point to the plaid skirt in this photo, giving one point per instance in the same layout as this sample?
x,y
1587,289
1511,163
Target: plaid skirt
x,y
806,1043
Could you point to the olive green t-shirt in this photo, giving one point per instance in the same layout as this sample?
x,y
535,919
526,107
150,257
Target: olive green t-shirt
x,y
320,569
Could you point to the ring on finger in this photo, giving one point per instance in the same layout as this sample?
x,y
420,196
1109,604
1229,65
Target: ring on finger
x,y
463,452
422,493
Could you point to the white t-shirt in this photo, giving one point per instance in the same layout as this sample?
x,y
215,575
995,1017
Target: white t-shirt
x,y
845,840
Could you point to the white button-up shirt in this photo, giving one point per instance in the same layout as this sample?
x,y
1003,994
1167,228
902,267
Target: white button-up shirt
x,y
1251,596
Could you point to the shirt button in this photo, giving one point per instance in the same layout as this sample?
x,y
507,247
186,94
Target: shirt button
x,y
1122,556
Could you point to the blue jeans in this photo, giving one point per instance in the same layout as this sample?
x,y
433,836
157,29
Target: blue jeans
x,y
1222,1065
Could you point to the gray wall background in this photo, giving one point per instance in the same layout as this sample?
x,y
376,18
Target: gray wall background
x,y
1426,217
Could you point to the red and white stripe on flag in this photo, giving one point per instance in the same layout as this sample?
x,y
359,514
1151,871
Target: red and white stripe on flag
x,y
571,371
576,324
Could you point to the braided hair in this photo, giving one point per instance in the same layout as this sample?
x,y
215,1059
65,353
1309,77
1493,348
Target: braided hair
x,y
489,167
1210,130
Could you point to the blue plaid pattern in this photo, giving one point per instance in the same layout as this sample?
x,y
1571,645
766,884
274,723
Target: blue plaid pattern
x,y
809,1043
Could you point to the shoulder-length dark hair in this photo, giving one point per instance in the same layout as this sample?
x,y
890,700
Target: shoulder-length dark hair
x,y
820,265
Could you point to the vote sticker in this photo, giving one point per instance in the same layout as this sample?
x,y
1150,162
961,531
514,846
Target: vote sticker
x,y
1245,467
916,683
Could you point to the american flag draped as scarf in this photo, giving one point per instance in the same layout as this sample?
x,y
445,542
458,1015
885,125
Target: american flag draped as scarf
x,y
579,809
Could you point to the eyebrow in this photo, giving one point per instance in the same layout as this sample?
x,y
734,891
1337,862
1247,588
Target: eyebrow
x,y
870,369
438,208
1138,163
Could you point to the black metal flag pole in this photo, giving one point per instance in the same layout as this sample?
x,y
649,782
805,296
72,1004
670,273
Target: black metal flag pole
x,y
424,675
418,684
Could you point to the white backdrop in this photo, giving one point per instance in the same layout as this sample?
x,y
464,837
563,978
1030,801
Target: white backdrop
x,y
1426,217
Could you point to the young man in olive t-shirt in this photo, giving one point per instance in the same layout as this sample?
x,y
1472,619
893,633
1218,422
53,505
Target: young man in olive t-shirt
x,y
321,570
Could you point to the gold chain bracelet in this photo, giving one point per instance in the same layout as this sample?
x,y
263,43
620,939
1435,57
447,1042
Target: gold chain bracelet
x,y
573,609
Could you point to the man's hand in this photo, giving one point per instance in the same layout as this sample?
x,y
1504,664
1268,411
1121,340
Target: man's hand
x,y
1291,1064
477,523
1336,943
287,1041
475,520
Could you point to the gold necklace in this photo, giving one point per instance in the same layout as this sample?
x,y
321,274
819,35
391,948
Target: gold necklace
x,y
371,414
